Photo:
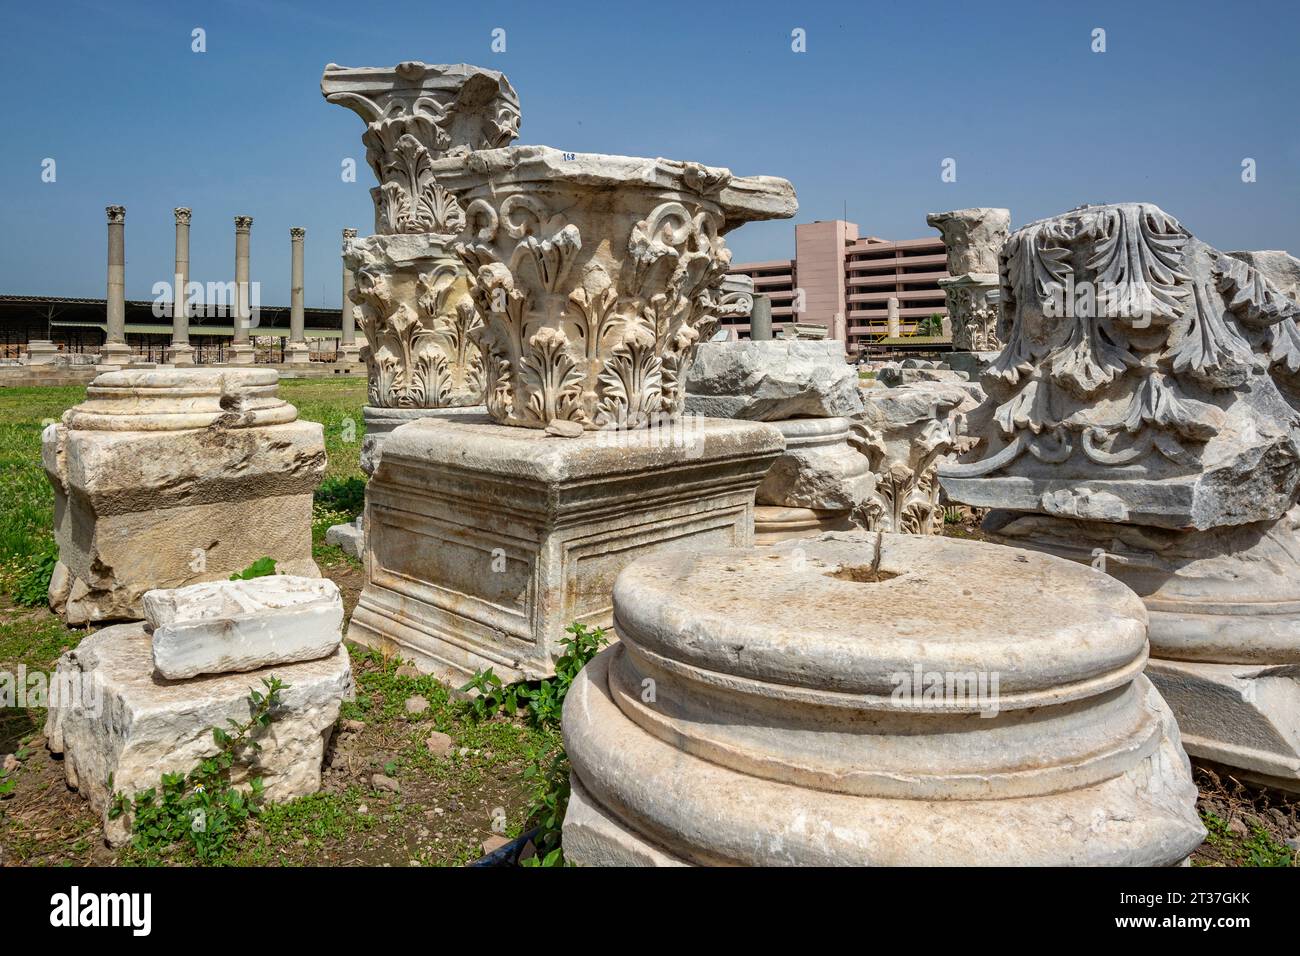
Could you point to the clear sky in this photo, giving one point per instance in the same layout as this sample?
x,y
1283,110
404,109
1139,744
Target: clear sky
x,y
860,122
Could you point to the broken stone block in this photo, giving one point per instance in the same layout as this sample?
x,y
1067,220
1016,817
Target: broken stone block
x,y
131,726
1277,266
228,626
819,469
772,380
351,537
905,433
906,374
169,477
936,702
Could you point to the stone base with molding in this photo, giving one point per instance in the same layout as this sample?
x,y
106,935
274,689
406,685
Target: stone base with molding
x,y
168,477
1224,606
485,541
778,706
773,524
119,721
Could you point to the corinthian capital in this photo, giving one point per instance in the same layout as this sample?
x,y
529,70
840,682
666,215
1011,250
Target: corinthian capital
x,y
182,214
116,213
415,114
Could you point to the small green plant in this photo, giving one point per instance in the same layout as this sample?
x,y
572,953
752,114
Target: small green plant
x,y
548,771
549,782
33,588
261,568
544,700
491,696
345,495
202,808
931,325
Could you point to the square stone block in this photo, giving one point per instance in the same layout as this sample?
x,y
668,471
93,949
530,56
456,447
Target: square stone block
x,y
117,719
486,541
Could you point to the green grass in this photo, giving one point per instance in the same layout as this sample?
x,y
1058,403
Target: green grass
x,y
27,506
1256,848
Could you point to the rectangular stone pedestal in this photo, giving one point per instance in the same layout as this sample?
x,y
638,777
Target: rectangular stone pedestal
x,y
115,353
485,541
41,352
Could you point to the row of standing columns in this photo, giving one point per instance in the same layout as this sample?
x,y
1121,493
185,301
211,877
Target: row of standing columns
x,y
116,351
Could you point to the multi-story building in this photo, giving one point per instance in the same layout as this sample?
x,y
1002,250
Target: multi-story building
x,y
843,282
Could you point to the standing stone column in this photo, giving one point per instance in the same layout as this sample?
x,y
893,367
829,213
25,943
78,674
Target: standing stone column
x,y
115,350
241,350
760,319
413,306
973,238
296,353
891,317
349,351
180,352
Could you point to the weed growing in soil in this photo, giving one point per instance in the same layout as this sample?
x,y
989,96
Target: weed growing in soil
x,y
543,701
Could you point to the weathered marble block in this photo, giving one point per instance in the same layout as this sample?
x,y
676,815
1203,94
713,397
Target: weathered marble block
x,y
484,541
131,726
169,477
820,468
228,626
772,380
781,706
381,421
1143,417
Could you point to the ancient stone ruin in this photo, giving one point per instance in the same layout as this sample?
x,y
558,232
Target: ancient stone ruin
x,y
591,278
168,477
135,701
865,700
410,293
1142,417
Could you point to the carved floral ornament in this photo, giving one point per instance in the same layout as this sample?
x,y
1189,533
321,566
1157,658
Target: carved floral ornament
x,y
419,322
587,329
1124,336
415,114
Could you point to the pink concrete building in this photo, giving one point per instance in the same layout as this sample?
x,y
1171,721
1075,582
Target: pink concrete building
x,y
844,282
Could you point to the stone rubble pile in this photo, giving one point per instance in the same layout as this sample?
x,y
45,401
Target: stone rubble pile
x,y
808,704
1142,417
135,701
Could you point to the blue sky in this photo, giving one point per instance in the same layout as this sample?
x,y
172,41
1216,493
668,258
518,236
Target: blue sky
x,y
1037,122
